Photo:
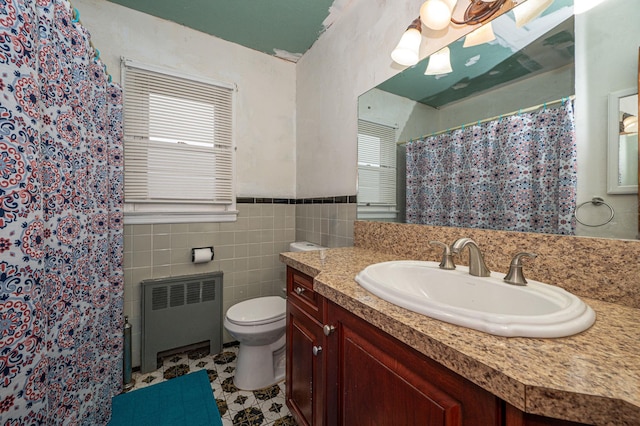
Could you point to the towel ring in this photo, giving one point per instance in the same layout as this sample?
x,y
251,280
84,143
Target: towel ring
x,y
596,201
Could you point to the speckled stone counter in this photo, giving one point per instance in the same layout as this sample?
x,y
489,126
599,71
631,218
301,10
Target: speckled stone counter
x,y
592,377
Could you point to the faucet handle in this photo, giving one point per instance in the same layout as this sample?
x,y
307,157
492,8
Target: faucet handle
x,y
515,275
447,256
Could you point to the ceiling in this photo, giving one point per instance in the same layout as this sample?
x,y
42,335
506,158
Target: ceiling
x,y
288,28
282,28
545,44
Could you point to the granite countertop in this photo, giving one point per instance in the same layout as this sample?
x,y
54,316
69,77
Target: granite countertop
x,y
592,377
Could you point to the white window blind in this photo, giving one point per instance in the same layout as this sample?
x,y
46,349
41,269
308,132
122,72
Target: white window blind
x,y
376,164
178,139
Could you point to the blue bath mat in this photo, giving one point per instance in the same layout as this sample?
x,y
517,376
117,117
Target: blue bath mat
x,y
185,400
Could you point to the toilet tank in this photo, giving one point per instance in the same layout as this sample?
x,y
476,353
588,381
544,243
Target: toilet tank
x,y
304,246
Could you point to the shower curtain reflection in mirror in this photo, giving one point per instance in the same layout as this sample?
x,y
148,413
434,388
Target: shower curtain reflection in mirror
x,y
515,173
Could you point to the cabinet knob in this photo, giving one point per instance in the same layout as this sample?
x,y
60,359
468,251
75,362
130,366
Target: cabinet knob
x,y
317,350
299,290
328,329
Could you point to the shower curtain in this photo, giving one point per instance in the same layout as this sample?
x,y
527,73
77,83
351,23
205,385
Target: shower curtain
x,y
517,173
61,287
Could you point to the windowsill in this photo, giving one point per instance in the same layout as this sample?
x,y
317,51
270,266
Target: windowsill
x,y
155,218
381,212
143,214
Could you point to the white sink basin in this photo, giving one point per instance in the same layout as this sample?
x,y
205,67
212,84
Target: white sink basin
x,y
483,303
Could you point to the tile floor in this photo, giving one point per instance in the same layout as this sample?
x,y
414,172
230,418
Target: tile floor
x,y
264,407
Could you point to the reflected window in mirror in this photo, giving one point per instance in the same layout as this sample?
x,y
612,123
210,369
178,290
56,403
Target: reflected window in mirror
x,y
623,142
376,171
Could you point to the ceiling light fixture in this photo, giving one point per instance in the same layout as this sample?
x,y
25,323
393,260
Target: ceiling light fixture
x,y
407,52
436,14
483,34
529,11
480,11
439,62
630,124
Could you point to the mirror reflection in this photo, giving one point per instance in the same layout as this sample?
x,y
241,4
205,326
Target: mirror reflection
x,y
625,142
485,84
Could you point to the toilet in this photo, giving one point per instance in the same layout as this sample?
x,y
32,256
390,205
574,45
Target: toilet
x,y
259,326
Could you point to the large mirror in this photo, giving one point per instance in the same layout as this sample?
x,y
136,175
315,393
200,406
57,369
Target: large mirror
x,y
586,52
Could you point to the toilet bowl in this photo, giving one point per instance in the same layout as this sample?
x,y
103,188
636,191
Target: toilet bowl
x,y
259,326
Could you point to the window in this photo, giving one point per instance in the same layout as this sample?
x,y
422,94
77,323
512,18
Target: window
x,y
179,149
376,171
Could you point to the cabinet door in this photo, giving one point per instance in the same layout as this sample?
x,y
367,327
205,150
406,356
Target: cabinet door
x,y
382,381
515,417
304,384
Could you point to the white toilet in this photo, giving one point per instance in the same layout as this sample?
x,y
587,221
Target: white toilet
x,y
259,325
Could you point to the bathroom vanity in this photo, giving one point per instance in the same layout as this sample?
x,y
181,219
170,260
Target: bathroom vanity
x,y
353,358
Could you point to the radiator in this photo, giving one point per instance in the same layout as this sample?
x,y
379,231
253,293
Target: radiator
x,y
180,311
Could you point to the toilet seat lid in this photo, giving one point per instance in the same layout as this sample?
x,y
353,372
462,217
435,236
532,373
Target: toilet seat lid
x,y
261,310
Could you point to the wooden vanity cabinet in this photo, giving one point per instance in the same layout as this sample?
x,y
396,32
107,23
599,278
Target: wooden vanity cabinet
x,y
515,417
305,362
381,381
343,371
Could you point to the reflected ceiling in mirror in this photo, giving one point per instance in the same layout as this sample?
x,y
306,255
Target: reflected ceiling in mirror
x,y
545,44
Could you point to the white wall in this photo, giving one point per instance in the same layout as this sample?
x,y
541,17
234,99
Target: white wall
x,y
265,102
412,119
349,59
607,40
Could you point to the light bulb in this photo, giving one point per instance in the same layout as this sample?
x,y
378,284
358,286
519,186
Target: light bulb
x,y
439,62
530,10
407,52
630,124
480,35
436,14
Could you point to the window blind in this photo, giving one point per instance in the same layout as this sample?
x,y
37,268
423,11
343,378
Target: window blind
x,y
376,164
178,139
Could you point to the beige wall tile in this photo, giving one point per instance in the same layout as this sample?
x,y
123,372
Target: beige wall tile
x,y
161,228
161,241
179,228
141,258
179,240
141,242
161,257
206,227
141,229
223,238
246,251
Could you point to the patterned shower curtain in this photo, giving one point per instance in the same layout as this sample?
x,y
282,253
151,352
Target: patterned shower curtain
x,y
61,287
517,173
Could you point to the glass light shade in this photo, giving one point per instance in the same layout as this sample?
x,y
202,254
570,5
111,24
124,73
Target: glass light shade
x,y
630,124
436,14
439,62
407,52
484,34
530,10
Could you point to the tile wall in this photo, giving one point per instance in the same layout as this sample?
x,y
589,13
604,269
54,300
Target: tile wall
x,y
246,250
327,224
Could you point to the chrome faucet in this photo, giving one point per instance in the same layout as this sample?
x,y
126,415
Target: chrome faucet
x,y
477,266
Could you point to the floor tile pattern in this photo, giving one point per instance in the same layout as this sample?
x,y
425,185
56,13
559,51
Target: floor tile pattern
x,y
264,407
